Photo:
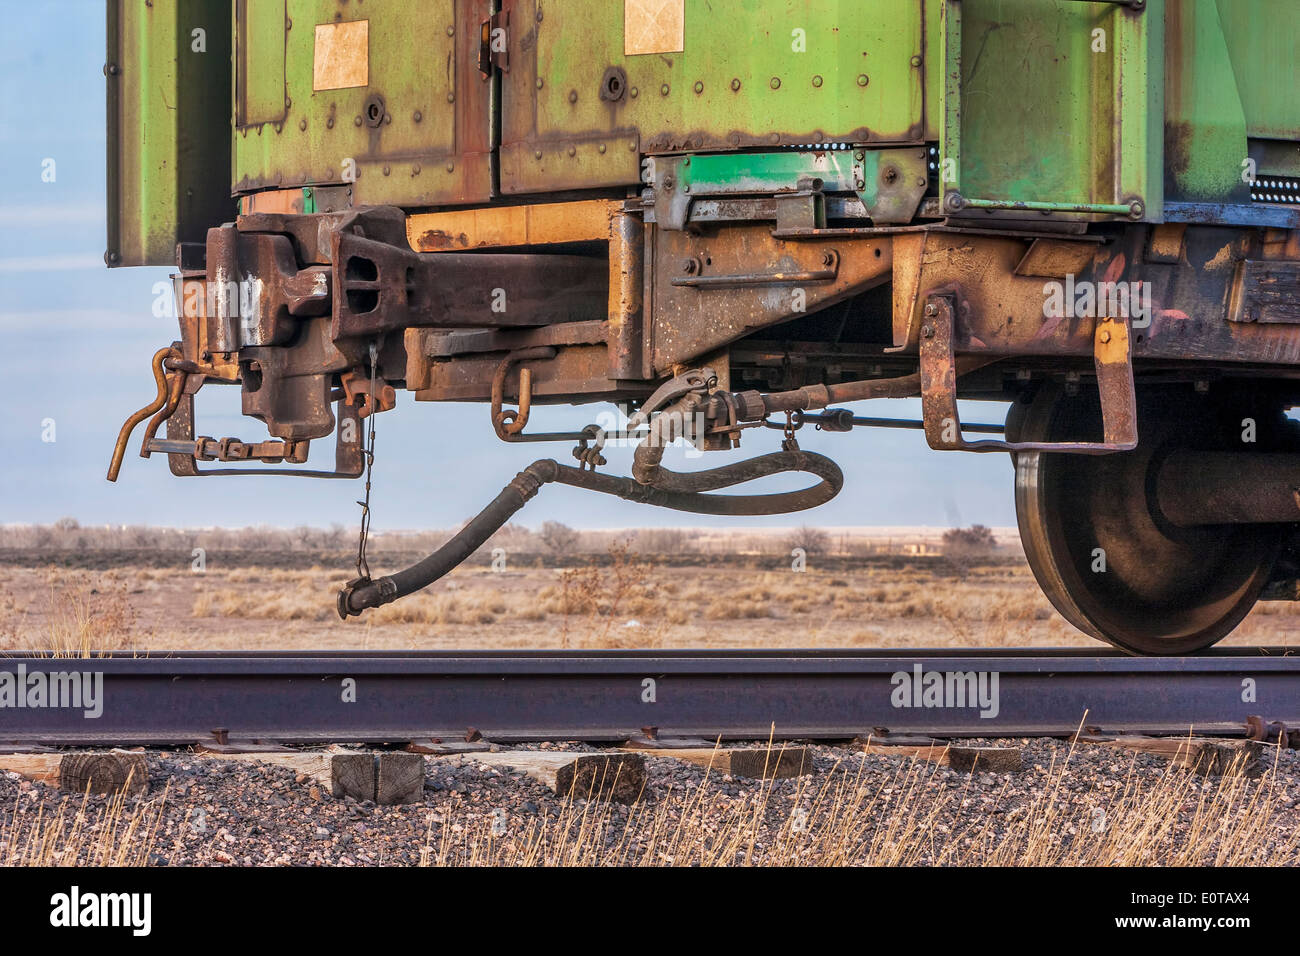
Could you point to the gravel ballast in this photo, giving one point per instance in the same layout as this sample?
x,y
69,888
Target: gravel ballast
x,y
853,808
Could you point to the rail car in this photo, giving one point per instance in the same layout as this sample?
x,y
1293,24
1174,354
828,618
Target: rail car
x,y
722,216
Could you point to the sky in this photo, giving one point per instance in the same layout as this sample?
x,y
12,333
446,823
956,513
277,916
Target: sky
x,y
78,337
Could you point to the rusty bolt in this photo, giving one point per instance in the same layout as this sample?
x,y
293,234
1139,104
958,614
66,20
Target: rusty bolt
x,y
690,266
828,258
927,331
890,175
931,309
1105,336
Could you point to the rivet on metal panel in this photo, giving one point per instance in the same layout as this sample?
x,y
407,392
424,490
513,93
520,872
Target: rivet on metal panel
x,y
862,79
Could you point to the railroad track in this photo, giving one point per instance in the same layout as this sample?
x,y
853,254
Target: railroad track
x,y
304,697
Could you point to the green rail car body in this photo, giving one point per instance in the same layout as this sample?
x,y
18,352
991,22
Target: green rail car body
x,y
1072,108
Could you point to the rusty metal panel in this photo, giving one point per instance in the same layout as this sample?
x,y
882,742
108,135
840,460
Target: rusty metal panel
x,y
708,291
577,109
1266,292
403,119
1177,311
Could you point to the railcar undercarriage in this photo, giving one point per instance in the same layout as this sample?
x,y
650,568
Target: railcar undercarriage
x,y
1154,464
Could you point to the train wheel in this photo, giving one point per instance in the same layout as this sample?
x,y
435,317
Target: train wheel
x,y
1098,543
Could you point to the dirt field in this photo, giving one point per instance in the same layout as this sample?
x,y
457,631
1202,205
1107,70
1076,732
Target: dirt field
x,y
79,603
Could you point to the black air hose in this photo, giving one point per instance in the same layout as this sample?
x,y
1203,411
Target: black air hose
x,y
680,492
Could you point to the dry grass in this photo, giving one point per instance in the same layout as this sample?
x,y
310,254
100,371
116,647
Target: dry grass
x,y
122,833
626,600
842,822
81,621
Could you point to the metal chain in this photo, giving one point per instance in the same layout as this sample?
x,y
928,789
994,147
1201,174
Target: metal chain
x,y
363,567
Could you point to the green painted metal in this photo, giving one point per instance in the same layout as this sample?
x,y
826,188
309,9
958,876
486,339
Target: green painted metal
x,y
1205,125
890,182
168,109
1032,117
751,73
1261,36
432,142
717,174
1052,106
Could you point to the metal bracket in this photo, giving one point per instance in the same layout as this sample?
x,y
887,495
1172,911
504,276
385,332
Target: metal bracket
x,y
830,261
1114,363
184,451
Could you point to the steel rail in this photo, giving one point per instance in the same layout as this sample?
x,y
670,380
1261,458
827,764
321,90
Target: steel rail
x,y
300,697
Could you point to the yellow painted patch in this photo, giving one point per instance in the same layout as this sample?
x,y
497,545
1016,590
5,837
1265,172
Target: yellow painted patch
x,y
654,26
499,226
342,55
